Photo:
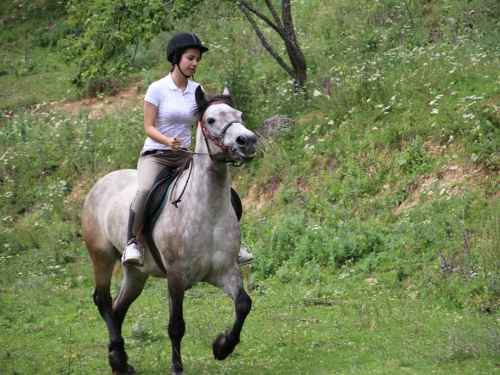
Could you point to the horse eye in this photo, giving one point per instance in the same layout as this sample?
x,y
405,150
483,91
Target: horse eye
x,y
211,120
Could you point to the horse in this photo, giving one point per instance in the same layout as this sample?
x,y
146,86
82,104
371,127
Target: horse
x,y
198,237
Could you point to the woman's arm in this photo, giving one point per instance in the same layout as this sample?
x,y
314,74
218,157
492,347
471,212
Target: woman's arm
x,y
150,111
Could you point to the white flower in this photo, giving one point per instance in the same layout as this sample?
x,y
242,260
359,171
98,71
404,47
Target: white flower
x,y
316,93
435,111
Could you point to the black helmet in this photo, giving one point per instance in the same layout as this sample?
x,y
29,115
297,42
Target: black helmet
x,y
183,40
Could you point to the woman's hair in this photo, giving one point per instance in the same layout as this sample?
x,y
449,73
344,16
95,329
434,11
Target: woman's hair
x,y
177,57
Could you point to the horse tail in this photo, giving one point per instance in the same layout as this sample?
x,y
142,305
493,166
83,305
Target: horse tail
x,y
117,269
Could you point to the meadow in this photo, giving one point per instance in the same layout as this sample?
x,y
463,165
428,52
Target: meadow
x,y
373,218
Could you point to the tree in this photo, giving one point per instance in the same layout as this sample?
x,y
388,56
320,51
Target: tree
x,y
285,29
282,26
102,32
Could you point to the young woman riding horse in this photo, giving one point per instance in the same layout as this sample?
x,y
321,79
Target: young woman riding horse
x,y
198,239
167,123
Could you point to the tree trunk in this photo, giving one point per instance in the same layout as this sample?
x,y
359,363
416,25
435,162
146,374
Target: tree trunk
x,y
284,28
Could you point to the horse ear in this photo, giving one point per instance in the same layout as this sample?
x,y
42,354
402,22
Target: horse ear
x,y
226,91
199,94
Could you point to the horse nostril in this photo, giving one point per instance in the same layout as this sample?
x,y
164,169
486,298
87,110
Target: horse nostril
x,y
241,140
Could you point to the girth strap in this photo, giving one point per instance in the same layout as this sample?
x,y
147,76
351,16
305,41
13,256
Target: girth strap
x,y
154,251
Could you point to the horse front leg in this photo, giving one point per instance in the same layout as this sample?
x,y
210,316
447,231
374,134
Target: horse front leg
x,y
176,324
225,343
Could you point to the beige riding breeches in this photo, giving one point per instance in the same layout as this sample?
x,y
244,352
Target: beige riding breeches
x,y
149,165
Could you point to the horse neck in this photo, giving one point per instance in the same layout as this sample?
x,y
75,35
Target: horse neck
x,y
213,179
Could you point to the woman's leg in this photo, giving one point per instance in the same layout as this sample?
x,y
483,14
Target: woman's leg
x,y
148,168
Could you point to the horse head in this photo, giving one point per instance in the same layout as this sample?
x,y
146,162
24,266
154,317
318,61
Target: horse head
x,y
222,126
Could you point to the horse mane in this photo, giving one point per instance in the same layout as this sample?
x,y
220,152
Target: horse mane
x,y
202,106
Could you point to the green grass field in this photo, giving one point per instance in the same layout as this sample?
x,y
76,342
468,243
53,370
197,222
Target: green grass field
x,y
344,325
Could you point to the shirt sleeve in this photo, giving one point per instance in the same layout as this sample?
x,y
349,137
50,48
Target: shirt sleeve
x,y
153,95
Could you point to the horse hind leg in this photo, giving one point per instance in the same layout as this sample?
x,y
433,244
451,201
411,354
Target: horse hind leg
x,y
114,313
132,286
225,343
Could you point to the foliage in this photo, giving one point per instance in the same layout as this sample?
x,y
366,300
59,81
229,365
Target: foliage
x,y
103,30
374,212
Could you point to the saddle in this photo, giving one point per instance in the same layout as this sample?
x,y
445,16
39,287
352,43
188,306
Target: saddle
x,y
157,197
156,201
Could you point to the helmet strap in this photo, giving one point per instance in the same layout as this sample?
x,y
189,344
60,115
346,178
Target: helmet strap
x,y
177,59
180,70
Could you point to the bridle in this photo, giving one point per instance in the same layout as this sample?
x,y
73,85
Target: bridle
x,y
218,141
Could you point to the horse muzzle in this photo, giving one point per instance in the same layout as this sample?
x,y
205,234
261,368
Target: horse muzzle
x,y
245,148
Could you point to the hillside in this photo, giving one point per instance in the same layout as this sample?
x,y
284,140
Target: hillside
x,y
387,183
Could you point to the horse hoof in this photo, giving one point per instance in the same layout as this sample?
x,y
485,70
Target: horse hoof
x,y
176,371
222,347
130,371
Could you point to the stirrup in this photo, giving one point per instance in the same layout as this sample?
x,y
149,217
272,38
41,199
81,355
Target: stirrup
x,y
138,260
250,258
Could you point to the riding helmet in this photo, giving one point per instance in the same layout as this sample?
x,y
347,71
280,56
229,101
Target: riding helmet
x,y
183,40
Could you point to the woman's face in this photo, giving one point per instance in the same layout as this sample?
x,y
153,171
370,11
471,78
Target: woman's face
x,y
189,61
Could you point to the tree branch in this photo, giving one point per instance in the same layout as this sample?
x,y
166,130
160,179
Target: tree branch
x,y
278,28
265,44
274,13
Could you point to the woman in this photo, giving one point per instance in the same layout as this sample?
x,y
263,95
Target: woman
x,y
167,123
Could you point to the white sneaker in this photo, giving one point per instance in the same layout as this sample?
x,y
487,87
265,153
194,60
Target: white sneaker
x,y
132,254
245,257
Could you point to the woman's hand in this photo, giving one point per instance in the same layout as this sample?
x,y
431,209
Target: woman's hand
x,y
150,112
174,143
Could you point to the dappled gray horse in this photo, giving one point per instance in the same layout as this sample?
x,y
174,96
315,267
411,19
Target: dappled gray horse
x,y
198,240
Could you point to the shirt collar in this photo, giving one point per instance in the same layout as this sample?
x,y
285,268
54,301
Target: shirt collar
x,y
190,88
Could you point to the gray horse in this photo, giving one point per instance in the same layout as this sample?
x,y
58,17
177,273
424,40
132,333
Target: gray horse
x,y
198,240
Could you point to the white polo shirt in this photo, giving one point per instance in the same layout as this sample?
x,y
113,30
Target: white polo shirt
x,y
174,110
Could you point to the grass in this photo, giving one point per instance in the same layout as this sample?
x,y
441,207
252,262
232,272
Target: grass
x,y
50,325
373,218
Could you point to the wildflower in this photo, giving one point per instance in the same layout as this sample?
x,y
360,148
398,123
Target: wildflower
x,y
435,111
316,93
